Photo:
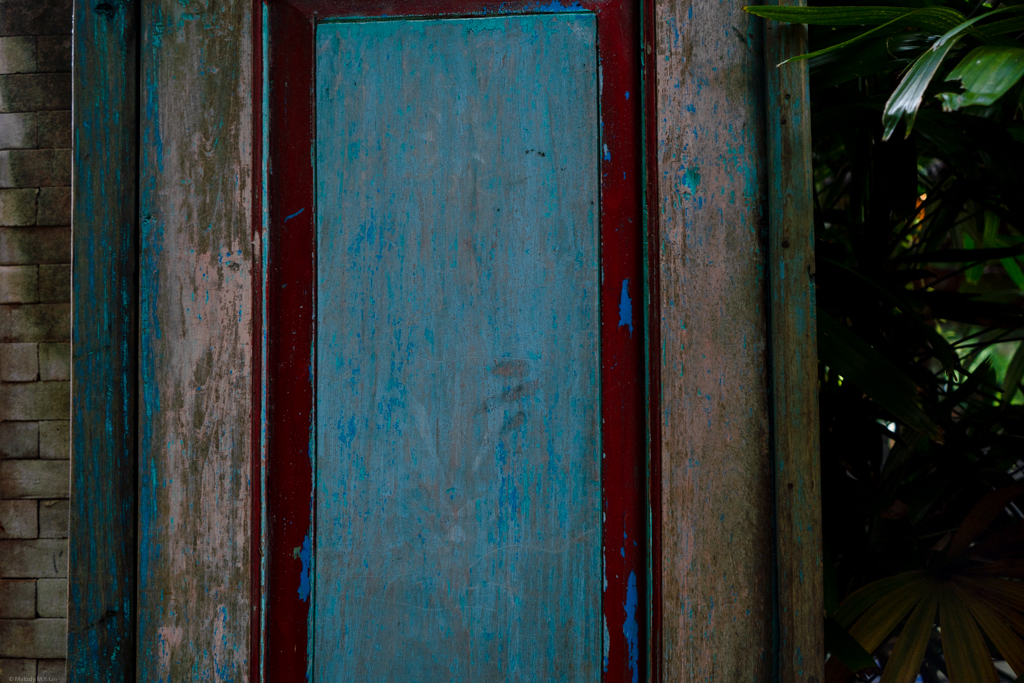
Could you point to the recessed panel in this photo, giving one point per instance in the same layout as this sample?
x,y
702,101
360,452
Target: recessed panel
x,y
458,436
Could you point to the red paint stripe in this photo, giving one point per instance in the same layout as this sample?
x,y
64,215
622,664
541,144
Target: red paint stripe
x,y
290,282
291,300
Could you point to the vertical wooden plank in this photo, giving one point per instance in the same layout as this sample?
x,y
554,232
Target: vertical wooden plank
x,y
458,524
794,353
103,393
196,326
716,512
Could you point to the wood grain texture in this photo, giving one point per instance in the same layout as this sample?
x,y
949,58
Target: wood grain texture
x,y
196,322
794,353
716,490
101,632
458,519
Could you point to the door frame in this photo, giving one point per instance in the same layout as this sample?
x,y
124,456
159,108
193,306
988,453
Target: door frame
x,y
288,458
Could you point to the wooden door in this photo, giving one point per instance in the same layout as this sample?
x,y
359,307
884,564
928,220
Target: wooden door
x,y
447,349
202,525
458,521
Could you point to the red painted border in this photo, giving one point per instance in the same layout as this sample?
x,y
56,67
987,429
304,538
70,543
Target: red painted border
x,y
290,295
290,283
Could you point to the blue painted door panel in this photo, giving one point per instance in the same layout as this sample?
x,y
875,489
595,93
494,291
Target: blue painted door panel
x,y
458,496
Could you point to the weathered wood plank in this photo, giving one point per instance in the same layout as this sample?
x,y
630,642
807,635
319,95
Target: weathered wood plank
x,y
458,528
716,481
195,369
794,355
101,632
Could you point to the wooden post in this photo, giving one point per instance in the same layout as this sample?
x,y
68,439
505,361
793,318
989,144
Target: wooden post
x,y
101,629
794,352
716,506
195,371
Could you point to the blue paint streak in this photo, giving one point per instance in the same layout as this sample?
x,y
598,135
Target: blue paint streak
x,y
626,308
630,628
558,7
305,555
288,218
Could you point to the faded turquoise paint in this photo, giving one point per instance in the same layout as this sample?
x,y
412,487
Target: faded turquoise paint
x,y
101,541
458,522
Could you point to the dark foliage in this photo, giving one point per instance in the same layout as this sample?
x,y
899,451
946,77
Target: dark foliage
x,y
918,241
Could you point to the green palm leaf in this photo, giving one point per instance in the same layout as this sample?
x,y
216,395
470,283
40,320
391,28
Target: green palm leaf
x,y
931,18
963,647
906,99
859,601
881,618
905,661
939,19
1014,373
986,73
995,626
1000,28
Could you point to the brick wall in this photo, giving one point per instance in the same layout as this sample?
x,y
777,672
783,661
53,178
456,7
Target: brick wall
x,y
35,250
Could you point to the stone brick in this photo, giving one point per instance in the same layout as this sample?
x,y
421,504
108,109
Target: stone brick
x,y
54,361
35,17
35,245
54,206
33,638
35,401
19,519
52,671
54,282
19,362
53,53
18,131
18,669
34,479
54,129
35,322
52,598
53,517
34,92
19,284
19,440
45,558
35,167
17,54
19,207
55,440
18,600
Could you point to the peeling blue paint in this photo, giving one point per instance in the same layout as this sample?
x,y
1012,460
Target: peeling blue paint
x,y
557,7
626,308
631,629
288,218
306,557
691,178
